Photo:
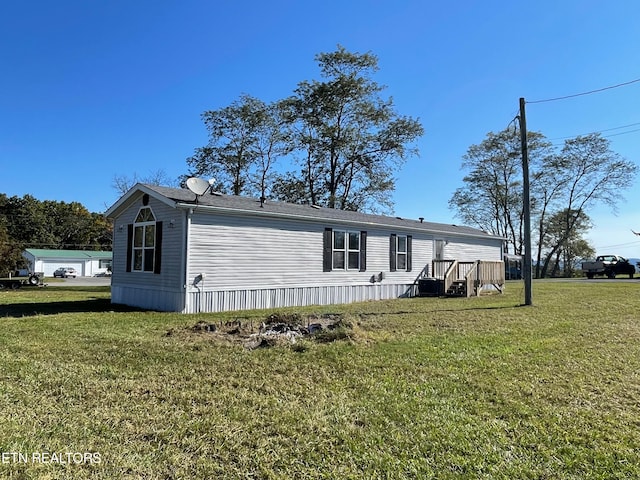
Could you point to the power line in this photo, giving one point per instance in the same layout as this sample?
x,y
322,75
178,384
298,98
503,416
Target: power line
x,y
513,122
585,93
622,133
603,136
618,245
599,131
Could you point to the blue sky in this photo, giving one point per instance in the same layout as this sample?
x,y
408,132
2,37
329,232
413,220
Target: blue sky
x,y
93,89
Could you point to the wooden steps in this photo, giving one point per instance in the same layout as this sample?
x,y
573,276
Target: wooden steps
x,y
453,278
458,288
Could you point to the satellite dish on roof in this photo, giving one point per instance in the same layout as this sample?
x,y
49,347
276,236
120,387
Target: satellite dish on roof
x,y
198,185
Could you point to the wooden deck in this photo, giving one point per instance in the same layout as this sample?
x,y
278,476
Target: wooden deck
x,y
464,279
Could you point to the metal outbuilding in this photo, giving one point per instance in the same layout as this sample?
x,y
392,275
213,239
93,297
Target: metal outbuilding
x,y
87,263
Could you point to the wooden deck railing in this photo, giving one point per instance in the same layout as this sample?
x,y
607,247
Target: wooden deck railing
x,y
475,274
471,280
450,275
440,268
413,289
491,272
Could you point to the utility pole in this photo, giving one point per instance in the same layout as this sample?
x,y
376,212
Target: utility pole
x,y
526,268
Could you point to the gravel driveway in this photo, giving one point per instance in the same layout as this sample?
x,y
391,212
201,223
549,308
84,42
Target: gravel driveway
x,y
80,282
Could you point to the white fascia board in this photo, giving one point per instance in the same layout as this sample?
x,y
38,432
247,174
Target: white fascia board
x,y
113,211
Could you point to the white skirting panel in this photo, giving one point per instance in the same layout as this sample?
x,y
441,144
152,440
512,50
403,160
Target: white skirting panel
x,y
147,298
254,299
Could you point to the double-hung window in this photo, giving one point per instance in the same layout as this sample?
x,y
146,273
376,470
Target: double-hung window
x,y
344,250
400,252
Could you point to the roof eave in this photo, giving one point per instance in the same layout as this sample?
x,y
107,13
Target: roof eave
x,y
291,216
122,203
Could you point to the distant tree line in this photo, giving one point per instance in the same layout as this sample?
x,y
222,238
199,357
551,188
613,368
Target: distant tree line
x,y
566,184
30,223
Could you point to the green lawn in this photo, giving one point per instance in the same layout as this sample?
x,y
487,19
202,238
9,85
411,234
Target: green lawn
x,y
419,388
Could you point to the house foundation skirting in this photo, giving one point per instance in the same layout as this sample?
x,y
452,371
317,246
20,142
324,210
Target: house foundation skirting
x,y
252,298
147,298
255,299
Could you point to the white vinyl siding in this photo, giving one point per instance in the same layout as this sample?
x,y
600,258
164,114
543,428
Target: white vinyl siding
x,y
469,250
216,261
236,252
172,273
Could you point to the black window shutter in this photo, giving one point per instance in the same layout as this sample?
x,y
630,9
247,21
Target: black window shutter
x,y
157,261
363,251
129,246
409,238
327,248
392,252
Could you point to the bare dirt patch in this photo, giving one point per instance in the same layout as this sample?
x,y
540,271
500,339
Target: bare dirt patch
x,y
276,329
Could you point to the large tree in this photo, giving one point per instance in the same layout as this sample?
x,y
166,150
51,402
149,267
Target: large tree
x,y
547,186
345,140
565,186
351,141
246,139
491,197
564,247
592,174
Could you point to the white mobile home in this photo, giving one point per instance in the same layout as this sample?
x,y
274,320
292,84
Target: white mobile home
x,y
175,251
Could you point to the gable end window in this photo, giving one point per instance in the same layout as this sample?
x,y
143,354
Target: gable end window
x,y
144,240
400,247
344,250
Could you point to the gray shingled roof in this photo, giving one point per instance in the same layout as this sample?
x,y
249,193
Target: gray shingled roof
x,y
232,202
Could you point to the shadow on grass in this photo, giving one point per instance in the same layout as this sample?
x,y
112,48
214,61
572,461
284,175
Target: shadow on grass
x,y
492,307
96,305
438,310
